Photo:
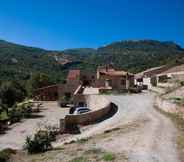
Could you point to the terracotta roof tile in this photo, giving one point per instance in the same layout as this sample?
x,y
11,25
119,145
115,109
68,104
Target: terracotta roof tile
x,y
73,74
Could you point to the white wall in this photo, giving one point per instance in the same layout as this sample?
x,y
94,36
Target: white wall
x,y
147,81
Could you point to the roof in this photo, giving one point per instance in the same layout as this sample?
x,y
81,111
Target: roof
x,y
179,68
73,74
151,71
116,73
46,87
112,72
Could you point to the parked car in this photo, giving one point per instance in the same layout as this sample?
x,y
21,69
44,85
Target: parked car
x,y
78,110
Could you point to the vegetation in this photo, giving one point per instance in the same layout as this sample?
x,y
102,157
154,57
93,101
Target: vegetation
x,y
134,56
19,62
82,140
79,159
11,92
5,154
38,80
41,141
108,157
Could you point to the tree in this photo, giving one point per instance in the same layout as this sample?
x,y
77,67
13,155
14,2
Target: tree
x,y
38,80
11,92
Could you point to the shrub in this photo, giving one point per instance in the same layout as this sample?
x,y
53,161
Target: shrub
x,y
79,159
5,154
41,142
15,115
182,83
108,157
52,132
26,110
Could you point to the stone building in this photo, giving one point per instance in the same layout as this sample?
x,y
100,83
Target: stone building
x,y
115,79
105,78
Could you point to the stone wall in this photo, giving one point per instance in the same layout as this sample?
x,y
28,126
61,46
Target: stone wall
x,y
99,106
87,118
168,106
49,93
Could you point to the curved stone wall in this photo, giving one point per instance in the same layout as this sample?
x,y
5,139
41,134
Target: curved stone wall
x,y
100,107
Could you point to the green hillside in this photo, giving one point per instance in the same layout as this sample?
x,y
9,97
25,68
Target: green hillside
x,y
134,56
19,62
140,55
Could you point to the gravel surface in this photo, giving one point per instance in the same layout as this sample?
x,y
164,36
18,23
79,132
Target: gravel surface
x,y
149,136
49,115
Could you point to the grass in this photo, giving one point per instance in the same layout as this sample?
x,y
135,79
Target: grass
x,y
93,151
5,154
79,159
82,140
175,98
108,157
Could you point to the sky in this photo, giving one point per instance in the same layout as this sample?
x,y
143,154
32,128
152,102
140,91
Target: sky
x,y
62,24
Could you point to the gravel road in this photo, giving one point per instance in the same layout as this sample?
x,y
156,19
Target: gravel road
x,y
148,137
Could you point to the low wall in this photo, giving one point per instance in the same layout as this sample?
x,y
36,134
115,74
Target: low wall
x,y
99,106
95,102
87,118
168,106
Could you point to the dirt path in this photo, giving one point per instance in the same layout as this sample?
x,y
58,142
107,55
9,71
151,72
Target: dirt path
x,y
147,135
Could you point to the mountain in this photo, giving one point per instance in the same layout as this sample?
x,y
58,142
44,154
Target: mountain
x,y
80,51
140,55
135,56
19,62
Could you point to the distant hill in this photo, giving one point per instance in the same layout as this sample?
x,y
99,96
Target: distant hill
x,y
17,61
140,55
135,56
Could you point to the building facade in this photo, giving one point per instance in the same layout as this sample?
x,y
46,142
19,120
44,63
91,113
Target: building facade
x,y
106,77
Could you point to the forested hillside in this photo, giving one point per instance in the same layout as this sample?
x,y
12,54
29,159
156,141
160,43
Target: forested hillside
x,y
19,62
136,56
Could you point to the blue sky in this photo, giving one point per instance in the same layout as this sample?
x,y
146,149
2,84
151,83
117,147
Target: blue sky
x,y
60,24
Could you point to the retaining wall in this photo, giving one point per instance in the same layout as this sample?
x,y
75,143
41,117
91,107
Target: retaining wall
x,y
168,106
99,106
87,118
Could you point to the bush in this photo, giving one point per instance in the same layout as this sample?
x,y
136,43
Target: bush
x,y
5,154
11,92
52,132
26,110
41,142
182,83
15,115
108,157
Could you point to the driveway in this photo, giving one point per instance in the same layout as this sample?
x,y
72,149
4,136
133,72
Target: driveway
x,y
15,137
147,135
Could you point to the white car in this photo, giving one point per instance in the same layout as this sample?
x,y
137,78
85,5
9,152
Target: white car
x,y
81,110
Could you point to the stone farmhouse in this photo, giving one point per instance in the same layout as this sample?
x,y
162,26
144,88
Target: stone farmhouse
x,y
160,76
105,78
